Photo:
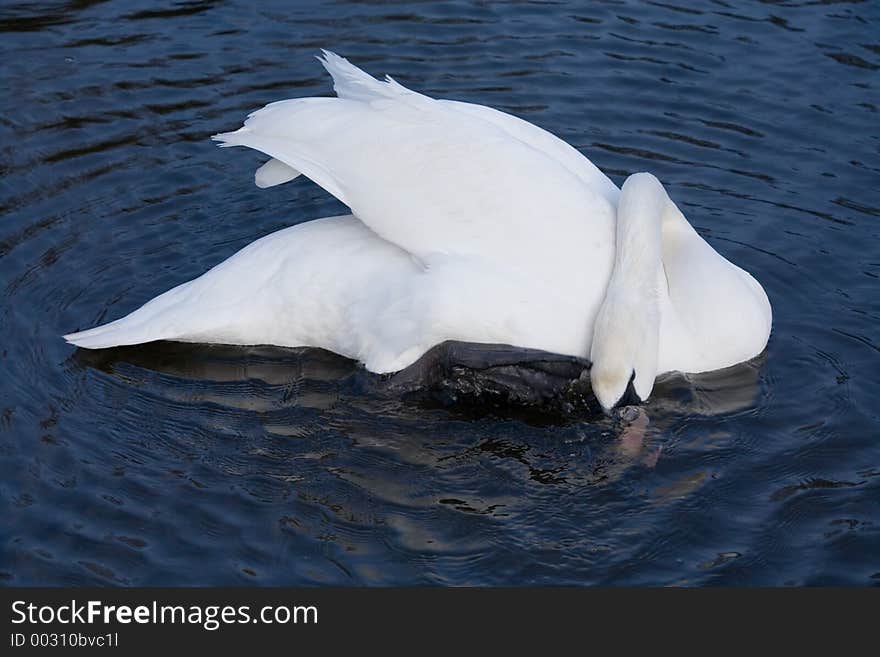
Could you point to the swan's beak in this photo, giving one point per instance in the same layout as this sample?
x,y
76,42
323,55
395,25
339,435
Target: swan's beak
x,y
629,398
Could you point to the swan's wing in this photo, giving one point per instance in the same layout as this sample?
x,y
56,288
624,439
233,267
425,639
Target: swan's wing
x,y
545,142
352,83
329,283
432,178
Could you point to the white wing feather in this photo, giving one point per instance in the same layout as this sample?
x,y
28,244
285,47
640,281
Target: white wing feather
x,y
436,177
352,83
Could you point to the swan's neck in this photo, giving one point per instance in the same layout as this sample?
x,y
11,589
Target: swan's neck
x,y
638,244
627,328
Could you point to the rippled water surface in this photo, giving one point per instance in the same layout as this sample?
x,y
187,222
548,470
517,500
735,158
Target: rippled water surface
x,y
171,464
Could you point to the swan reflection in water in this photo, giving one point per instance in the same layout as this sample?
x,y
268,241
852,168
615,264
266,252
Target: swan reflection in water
x,y
464,382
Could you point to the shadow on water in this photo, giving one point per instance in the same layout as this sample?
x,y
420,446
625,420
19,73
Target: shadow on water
x,y
492,392
436,382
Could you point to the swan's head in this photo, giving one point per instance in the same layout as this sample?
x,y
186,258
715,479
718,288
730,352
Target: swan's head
x,y
626,331
624,360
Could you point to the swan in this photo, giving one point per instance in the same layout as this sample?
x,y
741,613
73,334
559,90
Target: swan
x,y
466,224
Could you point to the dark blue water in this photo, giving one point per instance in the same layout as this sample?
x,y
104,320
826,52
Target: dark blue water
x,y
179,465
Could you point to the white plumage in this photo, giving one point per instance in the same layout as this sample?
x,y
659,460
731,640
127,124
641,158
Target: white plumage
x,y
467,224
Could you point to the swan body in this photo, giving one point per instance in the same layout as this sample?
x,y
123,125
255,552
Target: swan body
x,y
467,224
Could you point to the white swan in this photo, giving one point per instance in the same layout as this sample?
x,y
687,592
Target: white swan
x,y
468,224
